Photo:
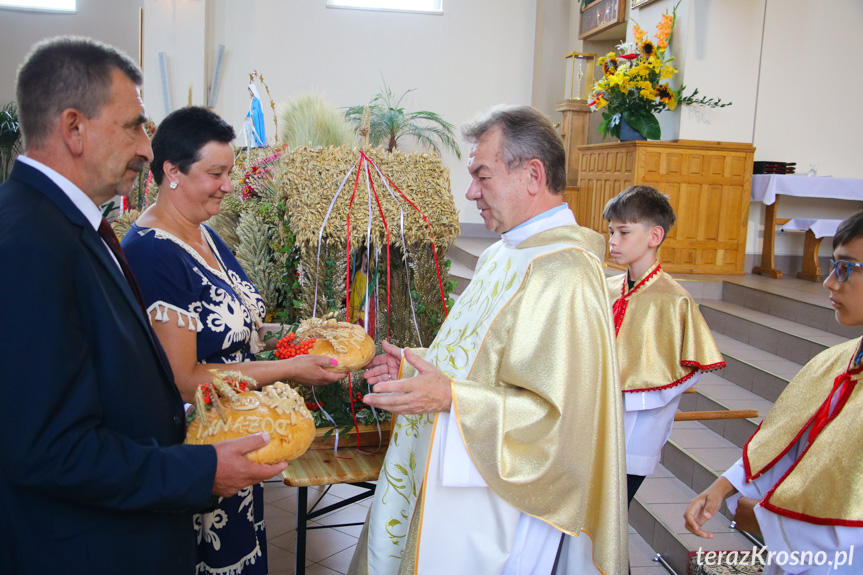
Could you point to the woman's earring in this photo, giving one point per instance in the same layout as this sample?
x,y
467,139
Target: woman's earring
x,y
173,185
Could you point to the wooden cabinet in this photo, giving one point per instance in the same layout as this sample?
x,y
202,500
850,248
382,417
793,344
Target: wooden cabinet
x,y
708,184
575,119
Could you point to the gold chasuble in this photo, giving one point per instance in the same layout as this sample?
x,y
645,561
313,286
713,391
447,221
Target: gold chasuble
x,y
662,338
530,349
825,485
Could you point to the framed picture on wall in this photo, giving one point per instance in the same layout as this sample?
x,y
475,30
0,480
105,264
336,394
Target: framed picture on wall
x,y
640,3
601,17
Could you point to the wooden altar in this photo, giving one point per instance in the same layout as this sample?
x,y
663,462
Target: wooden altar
x,y
708,184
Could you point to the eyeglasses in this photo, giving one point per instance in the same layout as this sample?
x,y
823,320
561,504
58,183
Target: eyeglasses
x,y
842,269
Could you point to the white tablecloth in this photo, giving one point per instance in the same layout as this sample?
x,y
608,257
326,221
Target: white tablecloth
x,y
765,187
821,228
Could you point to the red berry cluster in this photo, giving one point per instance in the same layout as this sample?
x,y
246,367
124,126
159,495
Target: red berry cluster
x,y
205,393
238,385
287,348
312,406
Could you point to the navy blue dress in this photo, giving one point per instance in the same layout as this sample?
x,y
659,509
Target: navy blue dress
x,y
224,307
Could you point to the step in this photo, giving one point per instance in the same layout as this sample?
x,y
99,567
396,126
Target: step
x,y
656,514
641,556
783,337
697,455
466,250
761,372
715,393
781,302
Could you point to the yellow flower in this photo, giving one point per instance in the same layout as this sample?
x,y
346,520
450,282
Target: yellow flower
x,y
641,70
648,49
615,79
601,102
648,93
667,71
664,93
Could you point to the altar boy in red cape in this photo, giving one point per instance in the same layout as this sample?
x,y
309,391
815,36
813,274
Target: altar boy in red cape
x,y
663,342
803,467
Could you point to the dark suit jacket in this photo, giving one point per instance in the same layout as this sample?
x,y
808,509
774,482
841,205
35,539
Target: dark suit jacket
x,y
93,476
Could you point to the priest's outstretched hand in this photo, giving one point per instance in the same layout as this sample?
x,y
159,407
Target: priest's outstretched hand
x,y
429,391
386,366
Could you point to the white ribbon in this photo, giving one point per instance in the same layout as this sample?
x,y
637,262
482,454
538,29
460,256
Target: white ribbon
x,y
321,235
368,248
405,250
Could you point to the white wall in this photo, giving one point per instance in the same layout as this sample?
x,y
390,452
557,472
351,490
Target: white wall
x,y
111,21
179,30
721,66
550,46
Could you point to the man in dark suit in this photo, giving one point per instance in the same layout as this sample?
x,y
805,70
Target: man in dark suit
x,y
94,477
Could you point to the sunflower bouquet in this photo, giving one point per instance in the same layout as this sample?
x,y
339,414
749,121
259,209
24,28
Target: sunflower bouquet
x,y
634,86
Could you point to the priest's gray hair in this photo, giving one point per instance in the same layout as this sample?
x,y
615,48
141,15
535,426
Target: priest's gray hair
x,y
527,135
66,72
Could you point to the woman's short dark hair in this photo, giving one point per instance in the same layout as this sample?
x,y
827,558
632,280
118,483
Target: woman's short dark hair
x,y
849,230
66,72
181,135
527,135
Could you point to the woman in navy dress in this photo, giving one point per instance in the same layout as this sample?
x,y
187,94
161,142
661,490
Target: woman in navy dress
x,y
205,310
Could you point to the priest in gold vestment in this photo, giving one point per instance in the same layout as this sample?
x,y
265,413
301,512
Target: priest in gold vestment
x,y
507,454
802,470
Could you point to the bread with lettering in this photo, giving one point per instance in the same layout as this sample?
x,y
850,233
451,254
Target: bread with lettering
x,y
230,407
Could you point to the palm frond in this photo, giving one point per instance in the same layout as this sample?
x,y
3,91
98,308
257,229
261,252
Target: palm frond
x,y
390,122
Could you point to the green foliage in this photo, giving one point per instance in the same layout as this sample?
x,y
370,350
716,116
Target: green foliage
x,y
334,399
422,309
309,121
390,122
10,138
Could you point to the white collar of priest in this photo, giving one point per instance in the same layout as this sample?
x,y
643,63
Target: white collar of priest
x,y
554,218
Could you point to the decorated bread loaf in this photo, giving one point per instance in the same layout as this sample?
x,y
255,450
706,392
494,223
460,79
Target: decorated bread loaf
x,y
229,407
347,343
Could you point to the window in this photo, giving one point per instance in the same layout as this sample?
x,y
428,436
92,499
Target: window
x,y
46,5
424,6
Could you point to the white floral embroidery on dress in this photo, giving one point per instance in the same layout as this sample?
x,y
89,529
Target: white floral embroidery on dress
x,y
227,314
206,525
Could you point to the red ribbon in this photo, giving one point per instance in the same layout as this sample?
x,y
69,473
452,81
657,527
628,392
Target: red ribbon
x,y
348,287
822,416
387,230
434,249
619,306
365,158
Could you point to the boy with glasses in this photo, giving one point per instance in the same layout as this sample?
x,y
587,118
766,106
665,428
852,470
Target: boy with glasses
x,y
802,471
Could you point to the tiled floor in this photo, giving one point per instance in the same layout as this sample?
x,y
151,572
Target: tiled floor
x,y
329,551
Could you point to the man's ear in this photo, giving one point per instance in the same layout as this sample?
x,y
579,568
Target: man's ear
x,y
655,236
73,128
536,176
